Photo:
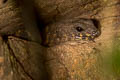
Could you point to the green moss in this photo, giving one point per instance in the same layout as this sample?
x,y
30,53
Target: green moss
x,y
115,58
111,62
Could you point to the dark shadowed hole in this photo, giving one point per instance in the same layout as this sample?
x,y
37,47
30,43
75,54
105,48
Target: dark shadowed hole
x,y
40,23
5,38
96,23
79,29
4,1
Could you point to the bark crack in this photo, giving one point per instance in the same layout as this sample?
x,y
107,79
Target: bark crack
x,y
17,61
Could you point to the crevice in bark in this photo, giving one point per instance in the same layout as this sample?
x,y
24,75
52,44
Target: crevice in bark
x,y
41,24
5,38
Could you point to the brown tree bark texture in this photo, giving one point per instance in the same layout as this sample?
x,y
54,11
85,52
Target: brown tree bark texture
x,y
23,57
21,52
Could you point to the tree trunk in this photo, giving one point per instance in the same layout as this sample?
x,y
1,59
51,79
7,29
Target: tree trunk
x,y
39,39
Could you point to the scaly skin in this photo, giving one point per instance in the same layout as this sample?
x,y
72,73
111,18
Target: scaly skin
x,y
77,30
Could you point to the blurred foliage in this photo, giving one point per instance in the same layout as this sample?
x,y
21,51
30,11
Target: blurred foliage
x,y
111,61
115,58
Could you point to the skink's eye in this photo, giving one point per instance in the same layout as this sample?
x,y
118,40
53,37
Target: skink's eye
x,y
79,29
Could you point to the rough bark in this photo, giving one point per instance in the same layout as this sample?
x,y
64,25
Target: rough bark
x,y
21,52
24,55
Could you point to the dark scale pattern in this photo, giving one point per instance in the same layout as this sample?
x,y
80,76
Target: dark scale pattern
x,y
60,32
